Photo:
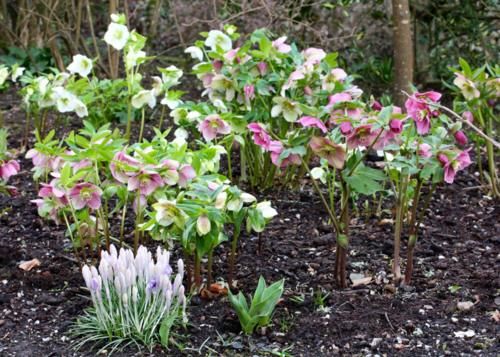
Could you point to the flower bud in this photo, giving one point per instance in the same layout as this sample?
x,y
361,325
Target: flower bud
x,y
424,150
203,225
346,128
376,106
396,126
461,138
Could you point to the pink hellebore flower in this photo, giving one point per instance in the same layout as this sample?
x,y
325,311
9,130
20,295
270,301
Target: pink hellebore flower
x,y
213,125
280,45
313,56
85,195
420,111
339,74
424,150
123,167
468,116
42,161
217,64
451,167
276,148
346,128
362,135
396,126
376,106
260,136
53,190
308,121
146,181
186,174
8,169
461,138
325,148
338,98
249,91
262,67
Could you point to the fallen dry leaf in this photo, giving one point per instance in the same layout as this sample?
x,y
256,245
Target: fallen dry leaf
x,y
30,264
385,221
362,281
495,315
218,289
465,305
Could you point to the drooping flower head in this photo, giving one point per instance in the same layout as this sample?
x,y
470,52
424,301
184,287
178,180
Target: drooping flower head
x,y
260,135
212,126
8,169
286,107
280,45
325,148
308,121
452,162
123,167
218,39
146,181
468,88
421,111
117,35
81,65
85,195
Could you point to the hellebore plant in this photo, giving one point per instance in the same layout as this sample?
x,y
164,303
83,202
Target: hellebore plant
x,y
259,310
477,98
8,166
135,300
262,89
98,100
427,154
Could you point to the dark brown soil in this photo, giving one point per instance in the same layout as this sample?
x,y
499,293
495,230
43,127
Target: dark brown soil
x,y
457,260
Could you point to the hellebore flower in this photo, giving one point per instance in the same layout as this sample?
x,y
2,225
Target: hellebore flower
x,y
276,149
468,116
4,74
290,110
53,191
260,136
468,88
222,84
325,148
116,36
362,135
346,128
146,181
213,125
451,166
195,52
167,213
144,97
461,138
133,57
420,111
81,65
338,98
8,169
17,72
171,175
123,167
186,174
396,126
376,106
424,150
65,101
203,225
216,39
336,75
280,45
265,208
313,56
249,91
262,67
308,121
85,194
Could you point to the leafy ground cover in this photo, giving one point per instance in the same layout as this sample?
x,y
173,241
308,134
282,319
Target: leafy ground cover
x,y
451,308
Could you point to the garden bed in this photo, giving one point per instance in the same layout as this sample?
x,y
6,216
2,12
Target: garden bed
x,y
456,261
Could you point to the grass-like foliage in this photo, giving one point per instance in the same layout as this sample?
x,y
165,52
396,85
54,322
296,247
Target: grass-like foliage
x,y
262,305
136,300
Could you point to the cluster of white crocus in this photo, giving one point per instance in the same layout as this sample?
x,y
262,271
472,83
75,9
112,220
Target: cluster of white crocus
x,y
133,295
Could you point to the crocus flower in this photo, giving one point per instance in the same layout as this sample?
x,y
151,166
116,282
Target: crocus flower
x,y
451,166
81,65
420,111
396,126
146,181
213,125
468,88
461,138
85,195
325,148
308,121
123,167
8,169
216,39
117,36
260,136
284,106
280,45
424,150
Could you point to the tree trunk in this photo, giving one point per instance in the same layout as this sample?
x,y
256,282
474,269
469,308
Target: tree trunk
x,y
403,50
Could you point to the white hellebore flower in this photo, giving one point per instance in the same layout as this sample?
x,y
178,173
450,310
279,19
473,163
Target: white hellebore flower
x,y
65,101
16,73
195,52
4,73
133,57
290,110
81,109
267,211
144,97
216,39
318,173
81,65
170,76
116,36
